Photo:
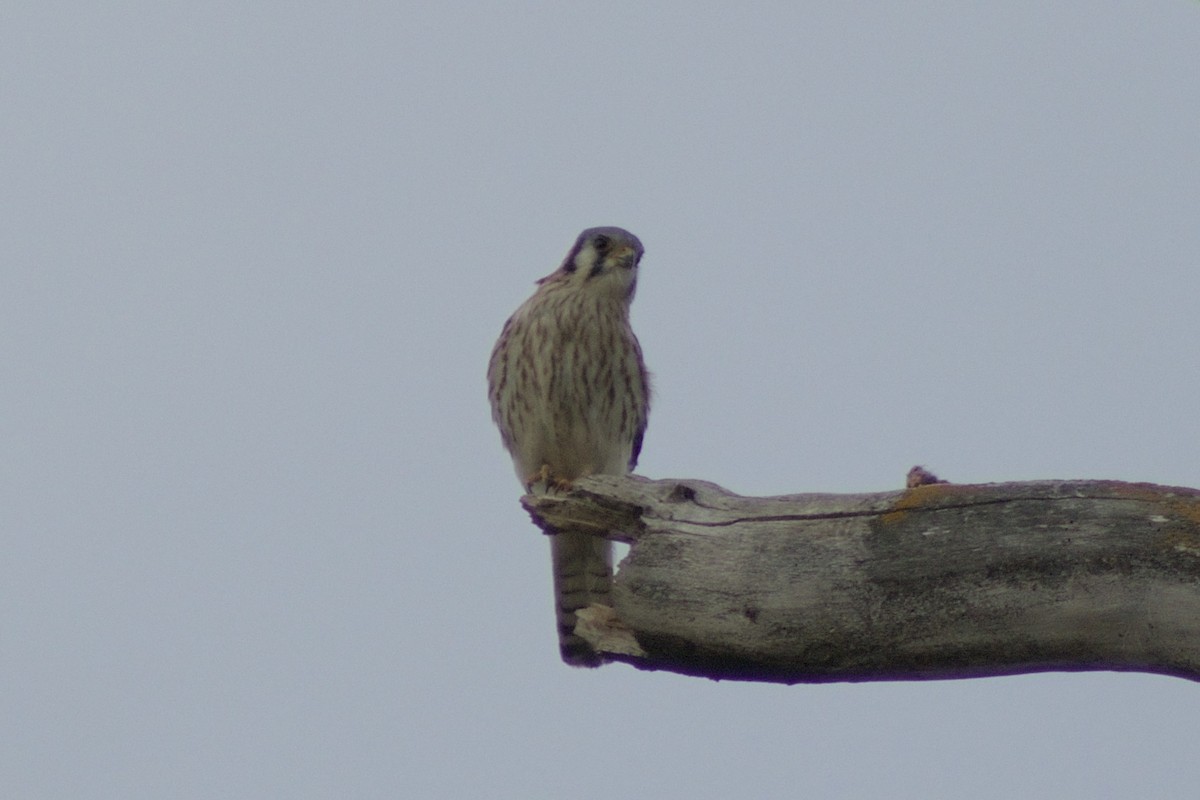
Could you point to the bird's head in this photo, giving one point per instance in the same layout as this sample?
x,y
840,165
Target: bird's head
x,y
604,260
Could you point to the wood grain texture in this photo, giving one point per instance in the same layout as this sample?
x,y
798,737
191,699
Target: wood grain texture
x,y
938,581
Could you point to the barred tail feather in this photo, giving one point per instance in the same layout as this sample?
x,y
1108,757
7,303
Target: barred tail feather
x,y
582,576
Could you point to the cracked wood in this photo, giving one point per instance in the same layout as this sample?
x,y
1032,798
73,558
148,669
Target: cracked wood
x,y
937,581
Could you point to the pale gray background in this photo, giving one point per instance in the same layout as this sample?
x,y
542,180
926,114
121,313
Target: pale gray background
x,y
259,537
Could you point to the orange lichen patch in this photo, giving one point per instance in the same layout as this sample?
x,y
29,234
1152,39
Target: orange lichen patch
x,y
1175,510
1151,491
1147,492
1181,502
1183,542
1187,506
930,496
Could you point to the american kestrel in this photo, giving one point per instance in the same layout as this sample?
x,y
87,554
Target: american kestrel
x,y
571,396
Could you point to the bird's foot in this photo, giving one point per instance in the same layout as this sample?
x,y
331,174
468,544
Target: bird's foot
x,y
559,485
549,480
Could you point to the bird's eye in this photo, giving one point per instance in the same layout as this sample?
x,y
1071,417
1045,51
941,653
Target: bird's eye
x,y
602,243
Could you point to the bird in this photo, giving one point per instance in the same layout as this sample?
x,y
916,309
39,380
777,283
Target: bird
x,y
570,394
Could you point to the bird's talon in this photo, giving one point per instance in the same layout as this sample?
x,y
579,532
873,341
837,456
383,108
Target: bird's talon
x,y
544,477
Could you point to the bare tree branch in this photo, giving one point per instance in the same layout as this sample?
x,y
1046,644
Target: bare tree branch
x,y
936,581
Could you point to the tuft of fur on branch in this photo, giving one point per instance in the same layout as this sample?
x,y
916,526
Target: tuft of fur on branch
x,y
936,581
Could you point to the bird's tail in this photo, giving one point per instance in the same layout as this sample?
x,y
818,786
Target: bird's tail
x,y
582,576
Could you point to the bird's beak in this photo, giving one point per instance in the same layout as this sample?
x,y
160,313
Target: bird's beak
x,y
625,256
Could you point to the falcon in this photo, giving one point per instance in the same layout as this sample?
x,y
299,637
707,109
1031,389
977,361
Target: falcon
x,y
570,393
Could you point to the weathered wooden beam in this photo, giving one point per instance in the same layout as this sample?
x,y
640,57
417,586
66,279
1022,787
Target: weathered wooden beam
x,y
936,581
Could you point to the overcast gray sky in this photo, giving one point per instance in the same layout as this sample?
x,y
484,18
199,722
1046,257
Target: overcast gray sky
x,y
258,536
